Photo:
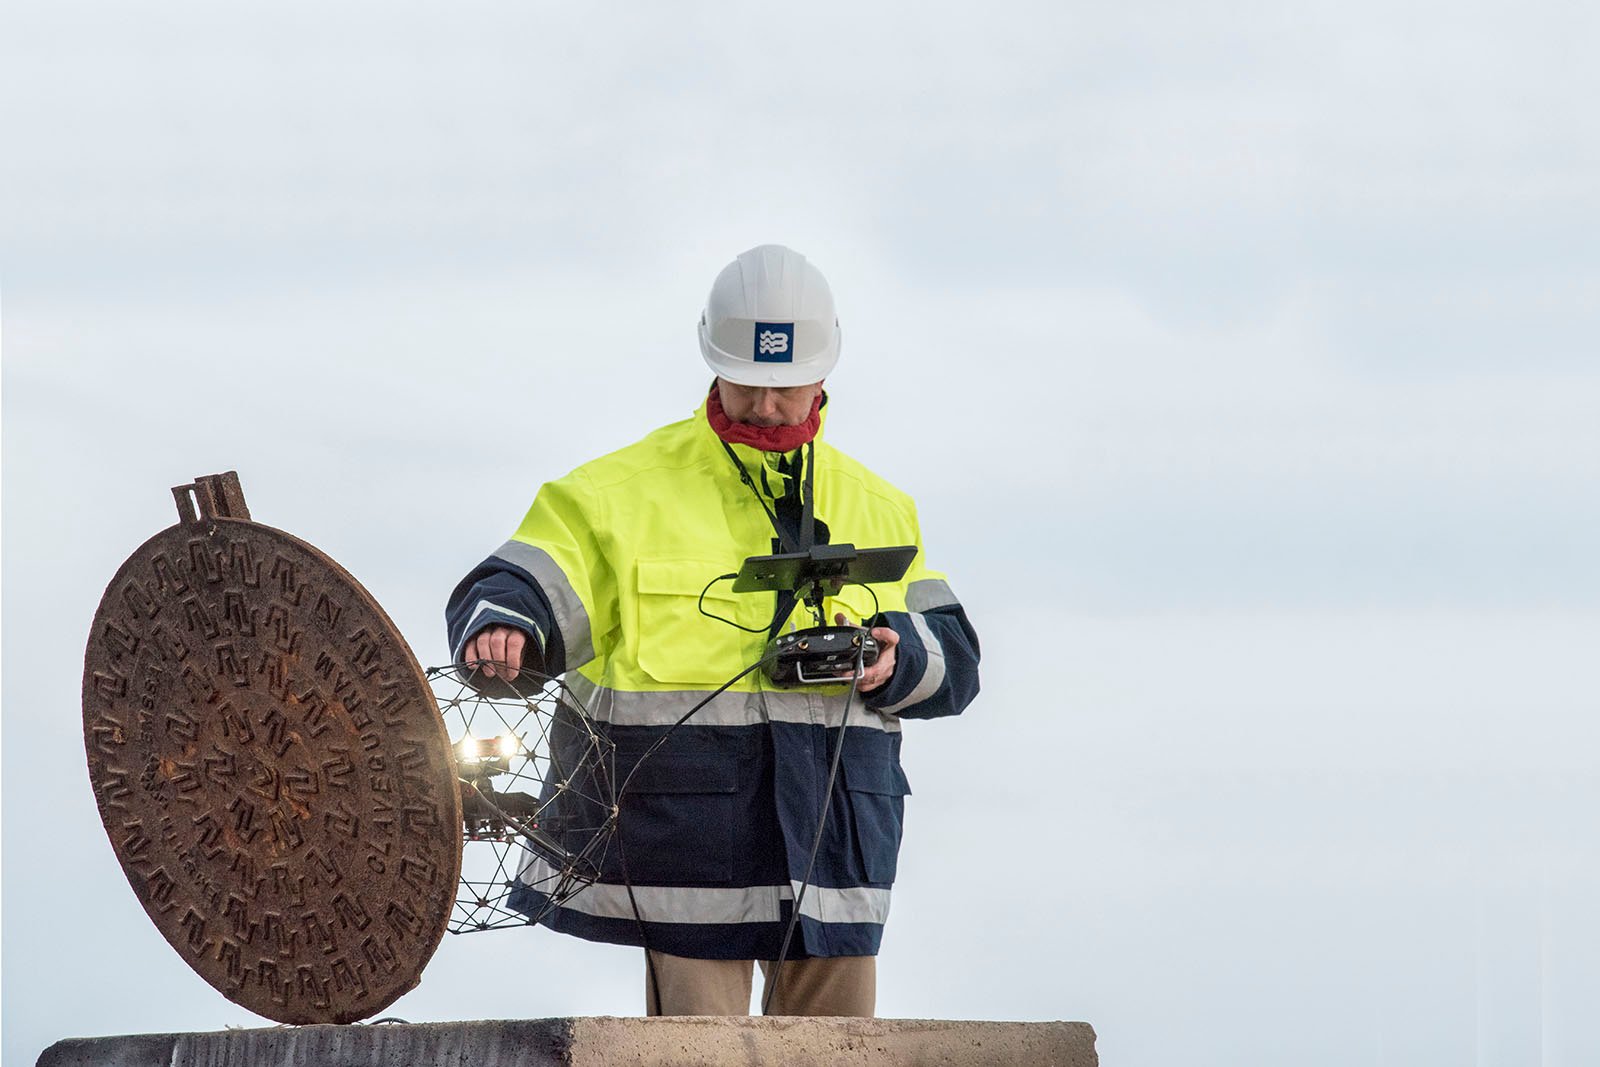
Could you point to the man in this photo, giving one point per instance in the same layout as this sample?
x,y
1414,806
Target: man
x,y
611,580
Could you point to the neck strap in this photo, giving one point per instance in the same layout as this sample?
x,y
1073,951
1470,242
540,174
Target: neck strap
x,y
808,508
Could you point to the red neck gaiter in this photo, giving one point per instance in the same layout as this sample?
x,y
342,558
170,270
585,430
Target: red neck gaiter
x,y
766,438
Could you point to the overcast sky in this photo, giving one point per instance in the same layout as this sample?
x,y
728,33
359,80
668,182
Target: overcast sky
x,y
1242,361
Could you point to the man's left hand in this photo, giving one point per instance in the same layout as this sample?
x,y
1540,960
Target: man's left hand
x,y
880,672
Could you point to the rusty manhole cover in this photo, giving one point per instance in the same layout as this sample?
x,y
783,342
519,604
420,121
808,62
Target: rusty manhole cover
x,y
271,767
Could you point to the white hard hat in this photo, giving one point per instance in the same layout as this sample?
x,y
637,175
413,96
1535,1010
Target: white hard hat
x,y
769,320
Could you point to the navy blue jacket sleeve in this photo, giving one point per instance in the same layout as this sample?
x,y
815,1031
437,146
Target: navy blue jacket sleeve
x,y
498,591
936,664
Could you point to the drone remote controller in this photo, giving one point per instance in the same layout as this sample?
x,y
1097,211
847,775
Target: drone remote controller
x,y
821,655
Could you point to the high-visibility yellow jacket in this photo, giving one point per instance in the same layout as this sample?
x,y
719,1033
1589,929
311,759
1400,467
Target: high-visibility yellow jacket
x,y
606,573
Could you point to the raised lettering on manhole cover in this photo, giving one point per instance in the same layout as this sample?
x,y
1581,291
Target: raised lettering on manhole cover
x,y
271,768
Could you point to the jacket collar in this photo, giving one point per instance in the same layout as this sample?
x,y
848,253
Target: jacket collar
x,y
753,459
704,425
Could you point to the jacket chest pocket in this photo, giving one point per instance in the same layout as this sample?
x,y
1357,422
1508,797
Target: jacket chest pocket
x,y
675,642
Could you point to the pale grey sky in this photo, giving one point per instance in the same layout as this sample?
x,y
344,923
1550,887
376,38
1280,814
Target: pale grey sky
x,y
1242,362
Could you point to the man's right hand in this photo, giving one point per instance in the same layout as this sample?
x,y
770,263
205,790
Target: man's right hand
x,y
497,651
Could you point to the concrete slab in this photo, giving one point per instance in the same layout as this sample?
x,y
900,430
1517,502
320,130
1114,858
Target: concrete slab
x,y
601,1042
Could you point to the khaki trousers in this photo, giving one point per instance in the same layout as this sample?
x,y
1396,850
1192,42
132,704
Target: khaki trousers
x,y
841,985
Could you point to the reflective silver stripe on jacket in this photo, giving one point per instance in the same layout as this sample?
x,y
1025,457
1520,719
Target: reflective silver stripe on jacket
x,y
932,676
755,904
929,593
571,618
856,905
624,708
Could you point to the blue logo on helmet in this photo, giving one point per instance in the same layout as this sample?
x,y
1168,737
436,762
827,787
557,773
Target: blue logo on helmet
x,y
774,342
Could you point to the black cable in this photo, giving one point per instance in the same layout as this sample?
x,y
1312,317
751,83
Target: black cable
x,y
816,844
877,609
622,844
685,717
537,838
622,851
701,603
822,821
638,920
